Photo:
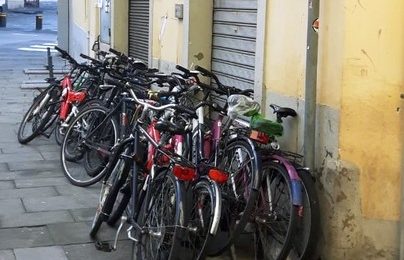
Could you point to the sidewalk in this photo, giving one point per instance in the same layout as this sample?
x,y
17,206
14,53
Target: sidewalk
x,y
42,216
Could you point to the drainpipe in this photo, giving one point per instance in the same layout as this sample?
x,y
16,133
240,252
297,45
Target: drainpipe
x,y
311,85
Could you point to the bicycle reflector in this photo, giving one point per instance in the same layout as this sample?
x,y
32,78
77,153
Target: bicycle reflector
x,y
184,173
218,175
260,137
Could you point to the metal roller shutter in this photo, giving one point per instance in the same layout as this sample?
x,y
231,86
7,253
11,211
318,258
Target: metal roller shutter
x,y
139,29
234,37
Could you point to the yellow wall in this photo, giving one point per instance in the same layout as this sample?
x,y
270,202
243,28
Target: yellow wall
x,y
94,22
284,46
200,34
80,13
168,39
120,26
370,113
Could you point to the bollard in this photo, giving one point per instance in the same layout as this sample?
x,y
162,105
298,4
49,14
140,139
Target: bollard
x,y
3,19
38,20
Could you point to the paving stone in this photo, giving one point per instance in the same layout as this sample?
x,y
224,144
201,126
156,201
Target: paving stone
x,y
35,219
50,155
88,251
24,237
34,173
28,193
70,190
41,253
58,203
17,157
81,215
4,167
70,233
6,185
7,176
7,255
38,148
44,165
38,174
73,233
11,206
40,182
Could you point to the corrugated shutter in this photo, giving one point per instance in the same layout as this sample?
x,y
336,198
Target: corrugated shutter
x,y
234,36
139,29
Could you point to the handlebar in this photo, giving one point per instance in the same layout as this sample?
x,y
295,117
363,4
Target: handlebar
x,y
163,107
89,58
222,89
66,55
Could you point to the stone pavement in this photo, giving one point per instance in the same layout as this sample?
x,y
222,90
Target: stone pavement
x,y
42,216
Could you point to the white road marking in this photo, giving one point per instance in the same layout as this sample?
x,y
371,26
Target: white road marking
x,y
33,49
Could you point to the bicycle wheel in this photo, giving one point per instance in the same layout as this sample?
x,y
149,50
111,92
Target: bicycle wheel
x,y
275,214
109,192
37,116
77,143
305,240
202,210
239,193
161,220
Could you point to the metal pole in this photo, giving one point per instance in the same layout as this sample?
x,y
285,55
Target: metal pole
x,y
311,85
50,66
402,188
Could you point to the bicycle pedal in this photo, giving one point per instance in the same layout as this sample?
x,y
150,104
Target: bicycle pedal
x,y
103,246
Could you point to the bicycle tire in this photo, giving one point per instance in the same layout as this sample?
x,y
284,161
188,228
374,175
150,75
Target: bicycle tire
x,y
201,210
47,94
270,228
168,191
236,212
307,235
68,159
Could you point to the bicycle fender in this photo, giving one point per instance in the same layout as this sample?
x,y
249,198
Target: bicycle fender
x,y
296,183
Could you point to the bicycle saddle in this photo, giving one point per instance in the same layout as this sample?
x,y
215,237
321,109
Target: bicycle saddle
x,y
282,112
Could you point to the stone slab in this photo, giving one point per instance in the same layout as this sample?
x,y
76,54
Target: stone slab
x,y
57,203
24,237
17,157
11,206
6,185
88,251
81,215
40,182
35,219
28,193
44,165
7,255
41,253
70,190
71,233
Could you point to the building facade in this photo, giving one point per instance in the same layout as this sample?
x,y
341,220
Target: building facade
x,y
262,44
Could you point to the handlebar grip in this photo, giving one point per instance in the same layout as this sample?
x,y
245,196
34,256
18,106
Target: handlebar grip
x,y
180,68
203,71
186,110
114,82
89,58
60,50
117,53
